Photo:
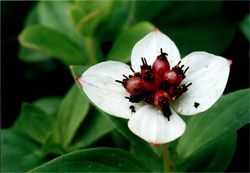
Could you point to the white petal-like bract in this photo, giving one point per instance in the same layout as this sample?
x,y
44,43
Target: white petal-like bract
x,y
151,125
98,82
208,74
149,47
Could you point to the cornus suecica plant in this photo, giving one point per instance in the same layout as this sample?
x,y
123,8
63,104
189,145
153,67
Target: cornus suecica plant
x,y
156,87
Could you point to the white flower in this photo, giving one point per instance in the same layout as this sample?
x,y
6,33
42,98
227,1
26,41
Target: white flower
x,y
207,73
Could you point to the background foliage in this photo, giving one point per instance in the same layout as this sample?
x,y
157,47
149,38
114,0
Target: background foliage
x,y
57,129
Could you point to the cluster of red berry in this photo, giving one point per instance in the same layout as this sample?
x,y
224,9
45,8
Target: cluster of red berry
x,y
156,85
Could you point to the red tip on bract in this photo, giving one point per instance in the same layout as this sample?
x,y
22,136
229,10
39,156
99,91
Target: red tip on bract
x,y
154,144
230,62
156,29
78,80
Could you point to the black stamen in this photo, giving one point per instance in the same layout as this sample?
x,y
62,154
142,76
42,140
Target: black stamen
x,y
163,53
145,61
188,84
142,60
181,66
125,76
119,81
179,62
132,69
185,70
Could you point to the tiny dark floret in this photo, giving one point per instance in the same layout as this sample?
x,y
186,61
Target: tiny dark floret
x,y
196,104
132,108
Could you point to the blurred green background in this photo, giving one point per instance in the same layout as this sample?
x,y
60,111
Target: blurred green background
x,y
216,27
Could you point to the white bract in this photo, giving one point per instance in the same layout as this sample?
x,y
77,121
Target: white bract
x,y
207,73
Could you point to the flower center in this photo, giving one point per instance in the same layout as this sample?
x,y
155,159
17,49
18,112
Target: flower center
x,y
157,85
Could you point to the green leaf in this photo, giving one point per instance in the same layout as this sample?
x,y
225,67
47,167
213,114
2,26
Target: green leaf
x,y
245,27
113,24
49,105
212,157
94,160
54,15
229,114
197,26
36,123
29,55
72,111
145,10
87,15
52,145
188,12
77,70
214,36
123,45
18,152
32,17
122,127
54,43
93,128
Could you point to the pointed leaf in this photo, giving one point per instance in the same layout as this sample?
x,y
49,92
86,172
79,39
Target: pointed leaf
x,y
36,123
54,43
72,111
49,105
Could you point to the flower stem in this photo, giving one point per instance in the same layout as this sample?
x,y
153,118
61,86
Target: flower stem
x,y
166,158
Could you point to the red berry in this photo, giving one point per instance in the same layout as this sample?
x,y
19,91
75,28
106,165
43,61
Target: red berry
x,y
154,85
160,66
172,77
131,84
161,99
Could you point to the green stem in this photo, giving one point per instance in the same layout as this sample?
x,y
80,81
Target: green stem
x,y
166,158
